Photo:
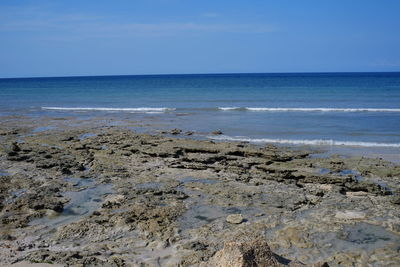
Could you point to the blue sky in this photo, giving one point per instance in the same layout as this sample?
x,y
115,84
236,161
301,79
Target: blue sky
x,y
64,38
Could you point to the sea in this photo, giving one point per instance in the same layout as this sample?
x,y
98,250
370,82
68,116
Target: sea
x,y
347,111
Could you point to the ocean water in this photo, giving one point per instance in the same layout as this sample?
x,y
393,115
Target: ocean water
x,y
337,109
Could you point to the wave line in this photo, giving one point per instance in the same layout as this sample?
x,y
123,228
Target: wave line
x,y
311,109
142,109
320,142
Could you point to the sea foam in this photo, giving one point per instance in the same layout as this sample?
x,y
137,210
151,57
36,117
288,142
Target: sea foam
x,y
320,142
229,108
311,109
133,110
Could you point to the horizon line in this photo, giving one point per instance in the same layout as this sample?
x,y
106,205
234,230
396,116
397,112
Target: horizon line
x,y
206,73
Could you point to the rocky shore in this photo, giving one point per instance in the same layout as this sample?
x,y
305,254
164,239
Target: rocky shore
x,y
107,195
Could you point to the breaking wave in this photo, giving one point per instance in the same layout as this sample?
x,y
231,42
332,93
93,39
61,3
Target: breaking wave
x,y
142,109
312,109
164,109
320,142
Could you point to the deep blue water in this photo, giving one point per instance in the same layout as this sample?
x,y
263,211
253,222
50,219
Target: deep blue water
x,y
350,108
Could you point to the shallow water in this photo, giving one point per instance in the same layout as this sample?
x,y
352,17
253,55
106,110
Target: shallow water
x,y
82,202
358,110
389,154
43,129
14,196
359,237
150,185
353,173
198,180
86,135
356,237
357,176
199,215
367,236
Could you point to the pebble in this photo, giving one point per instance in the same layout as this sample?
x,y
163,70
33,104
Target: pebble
x,y
235,218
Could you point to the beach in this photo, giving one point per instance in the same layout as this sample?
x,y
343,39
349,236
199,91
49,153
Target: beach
x,y
201,170
106,191
199,133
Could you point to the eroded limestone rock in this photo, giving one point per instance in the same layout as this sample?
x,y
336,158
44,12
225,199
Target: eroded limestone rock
x,y
244,254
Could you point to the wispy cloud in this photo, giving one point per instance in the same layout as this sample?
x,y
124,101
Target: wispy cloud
x,y
386,63
56,26
132,28
210,15
174,28
44,21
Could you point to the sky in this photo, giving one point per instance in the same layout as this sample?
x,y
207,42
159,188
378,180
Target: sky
x,y
41,38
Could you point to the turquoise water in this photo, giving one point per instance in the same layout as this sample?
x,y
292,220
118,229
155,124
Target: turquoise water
x,y
344,109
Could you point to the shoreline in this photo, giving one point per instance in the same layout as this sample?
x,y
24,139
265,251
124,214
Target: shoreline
x,y
156,124
95,193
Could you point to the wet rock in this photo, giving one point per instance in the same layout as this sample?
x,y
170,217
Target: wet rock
x,y
318,264
395,199
218,132
367,187
113,201
350,215
15,147
245,254
153,219
33,264
295,236
175,131
195,245
66,171
67,138
80,167
51,204
68,258
145,218
357,194
8,132
395,227
234,218
7,237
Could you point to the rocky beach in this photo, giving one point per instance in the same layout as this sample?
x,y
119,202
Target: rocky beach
x,y
98,192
